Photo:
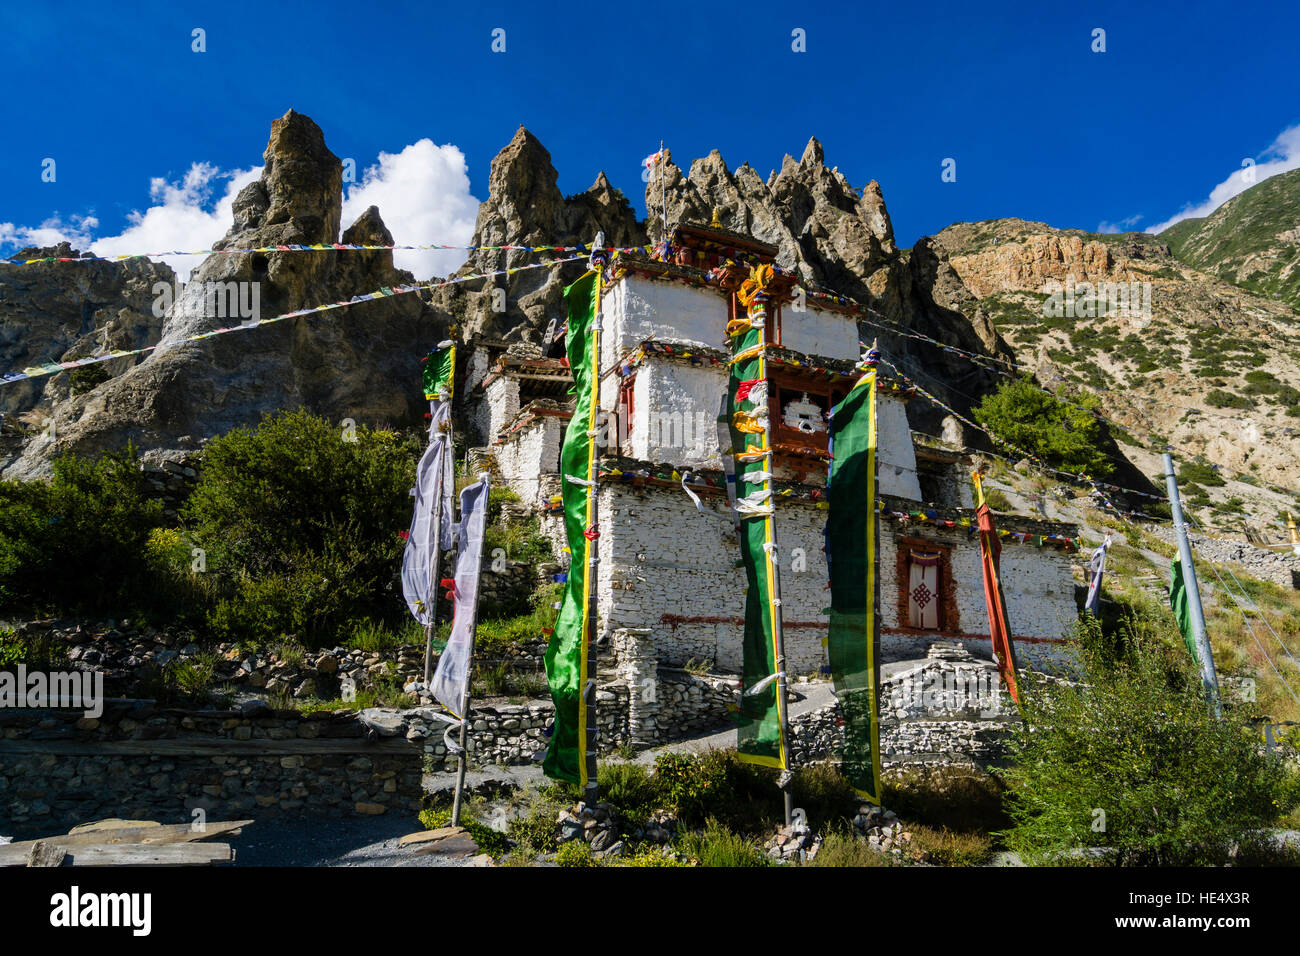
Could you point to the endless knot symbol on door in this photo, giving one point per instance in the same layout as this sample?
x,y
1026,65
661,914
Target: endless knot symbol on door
x,y
921,595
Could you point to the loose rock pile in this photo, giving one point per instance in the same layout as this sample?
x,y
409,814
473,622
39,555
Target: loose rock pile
x,y
882,830
596,824
794,843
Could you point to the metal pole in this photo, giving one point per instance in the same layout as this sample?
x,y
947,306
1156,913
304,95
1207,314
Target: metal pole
x,y
463,757
1194,609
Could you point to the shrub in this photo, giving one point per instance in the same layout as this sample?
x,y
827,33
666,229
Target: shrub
x,y
841,848
1218,398
1137,742
718,846
629,788
301,527
1202,472
76,542
1021,413
575,853
535,830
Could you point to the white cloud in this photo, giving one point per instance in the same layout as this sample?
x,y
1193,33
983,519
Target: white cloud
x,y
184,216
1282,155
76,231
423,197
1124,225
422,193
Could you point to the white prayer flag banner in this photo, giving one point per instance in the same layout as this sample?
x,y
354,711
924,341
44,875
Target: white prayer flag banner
x,y
451,680
434,485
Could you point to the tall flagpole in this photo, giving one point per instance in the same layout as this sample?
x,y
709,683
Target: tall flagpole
x,y
599,258
1194,610
463,757
435,560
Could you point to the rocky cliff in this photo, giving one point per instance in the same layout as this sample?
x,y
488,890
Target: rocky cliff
x,y
358,364
362,363
1196,362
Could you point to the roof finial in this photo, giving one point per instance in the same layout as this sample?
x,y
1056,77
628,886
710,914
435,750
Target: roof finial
x,y
717,222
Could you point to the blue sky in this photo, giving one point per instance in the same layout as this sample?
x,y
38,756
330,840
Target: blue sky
x,y
1040,126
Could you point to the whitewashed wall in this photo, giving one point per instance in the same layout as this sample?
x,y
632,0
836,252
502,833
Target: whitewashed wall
x,y
896,468
530,453
637,309
495,407
829,334
660,556
675,412
1038,585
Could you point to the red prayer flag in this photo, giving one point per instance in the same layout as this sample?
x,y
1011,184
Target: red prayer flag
x,y
999,631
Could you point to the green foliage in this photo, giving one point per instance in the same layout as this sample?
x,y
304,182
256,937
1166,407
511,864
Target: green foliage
x,y
629,788
301,527
1201,472
75,543
842,849
39,651
1217,398
1137,741
997,500
575,853
535,830
717,846
1021,413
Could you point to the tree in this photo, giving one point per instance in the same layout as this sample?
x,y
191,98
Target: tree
x,y
1133,760
301,523
76,541
1064,436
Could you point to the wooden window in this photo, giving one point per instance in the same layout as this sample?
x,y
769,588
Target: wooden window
x,y
626,399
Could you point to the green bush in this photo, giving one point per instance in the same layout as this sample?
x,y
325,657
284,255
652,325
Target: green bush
x,y
301,525
575,853
1136,741
76,543
1217,398
630,789
1202,472
717,846
1021,413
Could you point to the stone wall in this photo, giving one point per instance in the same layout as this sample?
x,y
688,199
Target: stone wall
x,y
528,454
933,713
58,768
504,734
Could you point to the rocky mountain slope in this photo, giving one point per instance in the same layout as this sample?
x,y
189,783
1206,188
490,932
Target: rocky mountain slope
x,y
356,364
1252,240
1209,368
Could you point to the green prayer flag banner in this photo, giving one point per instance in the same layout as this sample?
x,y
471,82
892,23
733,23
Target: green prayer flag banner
x,y
439,372
1178,601
566,654
760,740
851,554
